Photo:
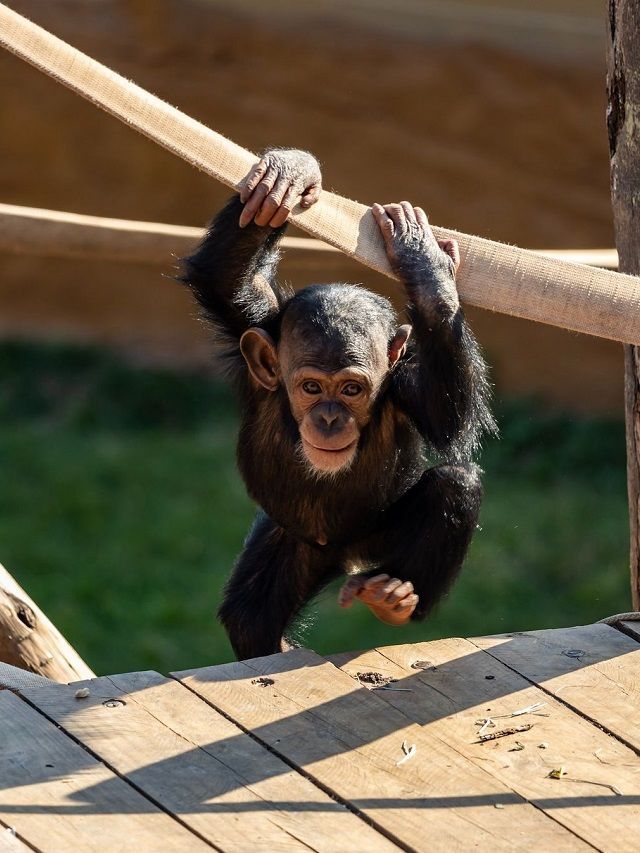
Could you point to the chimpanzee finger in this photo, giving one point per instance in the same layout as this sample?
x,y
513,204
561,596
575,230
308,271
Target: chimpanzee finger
x,y
369,583
410,215
272,202
348,591
400,592
423,219
311,195
451,248
257,197
396,213
388,588
252,179
408,603
423,222
287,204
385,223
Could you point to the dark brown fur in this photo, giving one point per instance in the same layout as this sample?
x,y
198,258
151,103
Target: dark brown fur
x,y
386,512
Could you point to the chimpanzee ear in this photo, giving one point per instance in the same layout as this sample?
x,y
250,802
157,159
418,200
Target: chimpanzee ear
x,y
398,344
259,352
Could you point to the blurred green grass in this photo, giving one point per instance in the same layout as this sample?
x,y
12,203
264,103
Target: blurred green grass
x,y
121,513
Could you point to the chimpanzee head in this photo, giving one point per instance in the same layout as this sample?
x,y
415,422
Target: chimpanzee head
x,y
336,345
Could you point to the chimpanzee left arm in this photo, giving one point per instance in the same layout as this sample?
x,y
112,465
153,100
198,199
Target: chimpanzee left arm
x,y
232,272
442,382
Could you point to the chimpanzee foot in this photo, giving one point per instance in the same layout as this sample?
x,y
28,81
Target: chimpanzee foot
x,y
390,599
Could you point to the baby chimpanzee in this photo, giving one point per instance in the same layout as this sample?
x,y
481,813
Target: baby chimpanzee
x,y
338,406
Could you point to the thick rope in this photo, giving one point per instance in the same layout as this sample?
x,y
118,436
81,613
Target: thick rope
x,y
493,275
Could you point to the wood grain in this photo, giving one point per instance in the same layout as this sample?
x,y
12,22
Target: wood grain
x,y
459,685
60,798
10,843
623,109
351,742
202,768
631,628
29,640
594,669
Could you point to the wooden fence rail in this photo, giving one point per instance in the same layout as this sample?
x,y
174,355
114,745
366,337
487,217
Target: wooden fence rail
x,y
60,234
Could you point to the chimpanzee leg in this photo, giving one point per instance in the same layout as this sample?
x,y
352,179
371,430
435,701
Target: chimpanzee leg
x,y
425,535
274,577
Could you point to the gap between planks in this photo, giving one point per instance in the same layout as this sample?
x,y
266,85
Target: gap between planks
x,y
200,768
349,741
581,667
462,684
59,796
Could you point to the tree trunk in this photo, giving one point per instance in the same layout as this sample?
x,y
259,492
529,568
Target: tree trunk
x,y
29,641
623,125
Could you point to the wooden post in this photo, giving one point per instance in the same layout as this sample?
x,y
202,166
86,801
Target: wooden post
x,y
623,125
28,639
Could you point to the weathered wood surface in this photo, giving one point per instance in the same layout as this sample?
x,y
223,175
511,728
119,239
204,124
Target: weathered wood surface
x,y
61,234
594,669
202,768
60,798
295,752
458,685
14,678
631,628
10,843
350,741
28,639
623,115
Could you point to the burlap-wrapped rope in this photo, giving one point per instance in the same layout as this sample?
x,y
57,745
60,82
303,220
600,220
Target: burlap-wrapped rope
x,y
493,275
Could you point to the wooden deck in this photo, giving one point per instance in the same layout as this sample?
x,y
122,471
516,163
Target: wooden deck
x,y
296,752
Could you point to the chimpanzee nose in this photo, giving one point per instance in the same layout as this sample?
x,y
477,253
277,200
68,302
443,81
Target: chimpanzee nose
x,y
329,417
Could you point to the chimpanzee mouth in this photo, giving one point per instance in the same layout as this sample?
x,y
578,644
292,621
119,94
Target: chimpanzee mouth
x,y
322,462
344,449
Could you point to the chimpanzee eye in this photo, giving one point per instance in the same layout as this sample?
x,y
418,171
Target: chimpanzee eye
x,y
311,387
352,389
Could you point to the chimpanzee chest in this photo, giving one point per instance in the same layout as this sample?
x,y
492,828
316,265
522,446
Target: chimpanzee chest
x,y
332,509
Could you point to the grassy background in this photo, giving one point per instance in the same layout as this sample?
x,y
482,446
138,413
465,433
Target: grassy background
x,y
121,513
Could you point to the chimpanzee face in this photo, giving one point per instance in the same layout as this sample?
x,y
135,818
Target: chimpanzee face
x,y
330,387
331,409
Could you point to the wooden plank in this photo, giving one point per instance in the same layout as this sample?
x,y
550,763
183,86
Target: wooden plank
x,y
202,768
632,629
10,843
59,798
461,685
593,668
14,678
351,742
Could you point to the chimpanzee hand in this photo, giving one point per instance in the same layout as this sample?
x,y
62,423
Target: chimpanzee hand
x,y
415,255
282,179
391,600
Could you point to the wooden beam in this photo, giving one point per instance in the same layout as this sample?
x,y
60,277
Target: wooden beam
x,y
60,234
28,640
623,121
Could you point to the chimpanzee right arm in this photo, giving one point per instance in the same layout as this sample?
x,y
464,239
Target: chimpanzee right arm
x,y
232,276
232,273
